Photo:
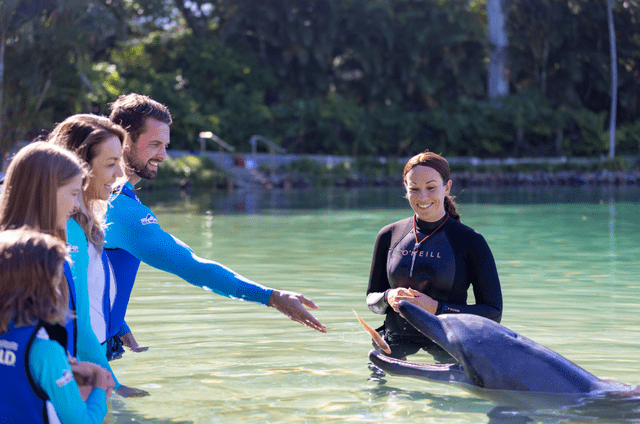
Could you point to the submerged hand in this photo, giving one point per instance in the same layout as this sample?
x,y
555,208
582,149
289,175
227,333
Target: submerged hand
x,y
126,391
293,305
129,341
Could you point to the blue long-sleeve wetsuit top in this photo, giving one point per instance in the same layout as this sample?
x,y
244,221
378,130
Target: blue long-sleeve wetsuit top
x,y
132,227
89,348
51,370
453,259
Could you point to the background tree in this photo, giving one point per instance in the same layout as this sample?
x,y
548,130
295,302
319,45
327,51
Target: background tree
x,y
614,79
498,84
48,74
357,77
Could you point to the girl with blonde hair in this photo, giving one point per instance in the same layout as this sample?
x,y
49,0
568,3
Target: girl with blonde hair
x,y
41,190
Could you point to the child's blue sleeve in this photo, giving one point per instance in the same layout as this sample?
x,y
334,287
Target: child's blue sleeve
x,y
51,370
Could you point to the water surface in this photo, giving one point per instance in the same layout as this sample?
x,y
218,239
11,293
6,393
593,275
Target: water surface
x,y
568,261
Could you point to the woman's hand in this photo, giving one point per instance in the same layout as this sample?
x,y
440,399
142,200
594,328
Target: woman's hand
x,y
412,296
129,341
126,391
394,296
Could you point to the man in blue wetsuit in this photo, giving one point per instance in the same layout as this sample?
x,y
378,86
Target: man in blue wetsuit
x,y
133,233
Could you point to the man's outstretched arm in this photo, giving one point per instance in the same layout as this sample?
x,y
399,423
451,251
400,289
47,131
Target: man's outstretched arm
x,y
138,232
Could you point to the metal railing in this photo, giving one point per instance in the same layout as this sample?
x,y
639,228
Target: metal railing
x,y
272,146
208,135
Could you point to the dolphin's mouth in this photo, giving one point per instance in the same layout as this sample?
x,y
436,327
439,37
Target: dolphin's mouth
x,y
431,327
446,373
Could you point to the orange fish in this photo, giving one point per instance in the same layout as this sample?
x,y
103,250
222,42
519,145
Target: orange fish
x,y
374,335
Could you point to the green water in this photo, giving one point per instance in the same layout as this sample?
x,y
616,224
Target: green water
x,y
568,261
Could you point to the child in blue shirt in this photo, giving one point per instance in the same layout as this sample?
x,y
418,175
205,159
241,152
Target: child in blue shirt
x,y
39,384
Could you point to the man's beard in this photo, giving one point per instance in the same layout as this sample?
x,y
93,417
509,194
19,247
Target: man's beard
x,y
138,167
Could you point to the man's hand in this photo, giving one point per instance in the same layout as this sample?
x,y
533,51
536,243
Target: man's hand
x,y
293,305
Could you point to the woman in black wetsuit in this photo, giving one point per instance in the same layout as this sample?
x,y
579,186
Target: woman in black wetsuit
x,y
430,260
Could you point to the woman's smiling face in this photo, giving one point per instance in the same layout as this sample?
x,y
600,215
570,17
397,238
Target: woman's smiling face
x,y
105,169
426,192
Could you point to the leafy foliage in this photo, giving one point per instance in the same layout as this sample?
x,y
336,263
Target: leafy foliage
x,y
348,77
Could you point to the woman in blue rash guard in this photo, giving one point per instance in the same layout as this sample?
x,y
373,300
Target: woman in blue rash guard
x,y
38,384
98,142
430,259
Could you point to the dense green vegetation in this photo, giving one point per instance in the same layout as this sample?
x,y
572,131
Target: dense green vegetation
x,y
195,172
354,77
189,171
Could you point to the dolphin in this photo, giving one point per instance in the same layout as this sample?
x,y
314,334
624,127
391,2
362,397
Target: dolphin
x,y
497,363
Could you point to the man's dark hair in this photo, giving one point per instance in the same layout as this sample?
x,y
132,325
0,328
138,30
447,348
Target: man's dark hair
x,y
131,112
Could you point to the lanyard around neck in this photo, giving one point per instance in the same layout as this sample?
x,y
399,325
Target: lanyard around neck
x,y
419,242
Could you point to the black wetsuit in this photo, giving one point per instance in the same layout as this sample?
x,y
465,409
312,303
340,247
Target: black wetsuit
x,y
447,263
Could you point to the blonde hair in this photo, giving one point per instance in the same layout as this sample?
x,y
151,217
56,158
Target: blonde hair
x,y
32,284
30,189
84,135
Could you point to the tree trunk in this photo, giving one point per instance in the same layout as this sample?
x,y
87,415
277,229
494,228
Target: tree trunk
x,y
498,84
614,80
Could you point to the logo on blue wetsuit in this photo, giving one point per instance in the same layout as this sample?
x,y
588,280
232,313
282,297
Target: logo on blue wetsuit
x,y
73,249
7,354
150,219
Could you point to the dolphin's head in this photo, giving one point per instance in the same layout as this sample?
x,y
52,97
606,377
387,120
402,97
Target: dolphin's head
x,y
495,357
473,341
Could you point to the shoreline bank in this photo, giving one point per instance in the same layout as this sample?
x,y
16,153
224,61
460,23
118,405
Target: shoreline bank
x,y
474,179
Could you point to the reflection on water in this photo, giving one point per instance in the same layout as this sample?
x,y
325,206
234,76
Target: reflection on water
x,y
335,198
568,268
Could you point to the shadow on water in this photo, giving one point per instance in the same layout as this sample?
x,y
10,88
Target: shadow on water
x,y
126,416
607,409
598,410
442,402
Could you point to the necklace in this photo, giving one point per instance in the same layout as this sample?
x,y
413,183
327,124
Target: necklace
x,y
419,243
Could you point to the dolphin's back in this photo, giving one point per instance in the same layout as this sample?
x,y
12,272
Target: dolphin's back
x,y
495,357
